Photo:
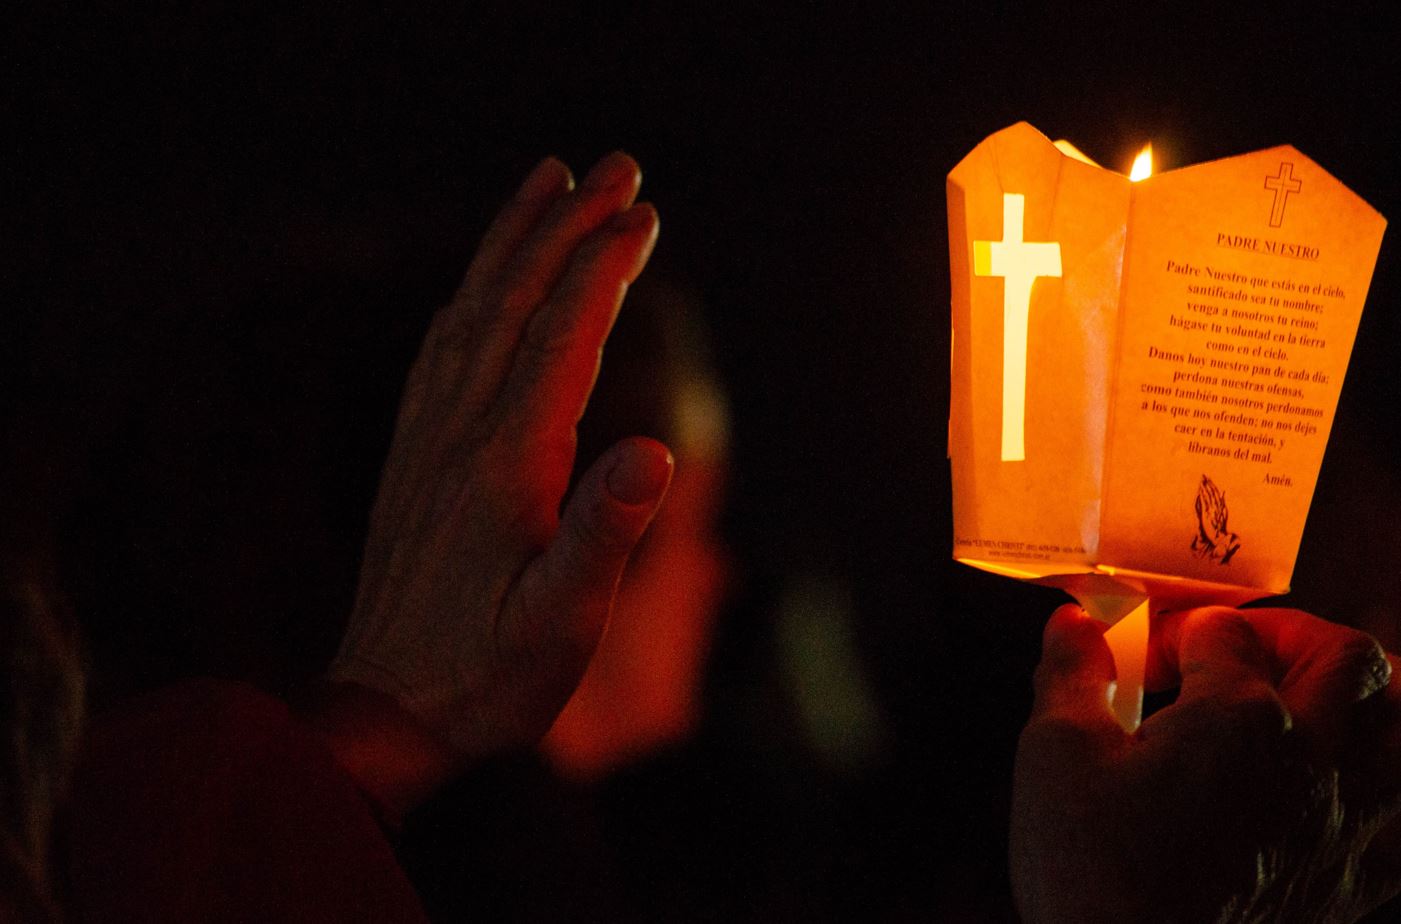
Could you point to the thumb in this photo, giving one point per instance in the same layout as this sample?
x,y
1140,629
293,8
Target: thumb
x,y
1071,729
570,588
1076,670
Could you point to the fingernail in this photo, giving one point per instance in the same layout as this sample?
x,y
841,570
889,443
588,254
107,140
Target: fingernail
x,y
547,177
615,170
1066,616
641,477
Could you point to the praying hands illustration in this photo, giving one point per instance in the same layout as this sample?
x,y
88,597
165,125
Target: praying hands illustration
x,y
1214,539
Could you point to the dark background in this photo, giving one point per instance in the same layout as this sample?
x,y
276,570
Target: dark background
x,y
229,226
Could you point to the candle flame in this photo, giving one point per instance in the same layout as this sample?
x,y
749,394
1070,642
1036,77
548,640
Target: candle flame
x,y
1142,165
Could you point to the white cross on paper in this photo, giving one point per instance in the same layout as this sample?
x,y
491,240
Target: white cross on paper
x,y
1019,263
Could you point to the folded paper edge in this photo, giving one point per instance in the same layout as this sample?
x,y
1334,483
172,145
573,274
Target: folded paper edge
x,y
1167,592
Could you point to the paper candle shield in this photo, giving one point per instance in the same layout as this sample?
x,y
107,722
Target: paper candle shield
x,y
1144,375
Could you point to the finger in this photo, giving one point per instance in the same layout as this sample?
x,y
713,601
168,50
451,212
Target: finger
x,y
546,184
536,266
565,595
557,364
1220,657
1227,680
450,330
1324,668
1073,680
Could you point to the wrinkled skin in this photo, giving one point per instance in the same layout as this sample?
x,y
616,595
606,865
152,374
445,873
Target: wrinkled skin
x,y
1268,791
479,604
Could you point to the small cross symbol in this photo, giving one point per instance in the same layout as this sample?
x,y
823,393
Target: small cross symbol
x,y
1283,184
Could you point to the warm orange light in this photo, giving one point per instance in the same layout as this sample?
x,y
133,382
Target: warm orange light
x,y
1095,487
1142,167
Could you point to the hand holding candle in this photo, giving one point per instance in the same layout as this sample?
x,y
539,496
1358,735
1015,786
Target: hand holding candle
x,y
1249,798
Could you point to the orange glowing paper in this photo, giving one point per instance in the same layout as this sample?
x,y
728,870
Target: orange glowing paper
x,y
1144,374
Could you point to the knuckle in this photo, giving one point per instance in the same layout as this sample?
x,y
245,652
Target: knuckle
x,y
597,533
1229,626
546,335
